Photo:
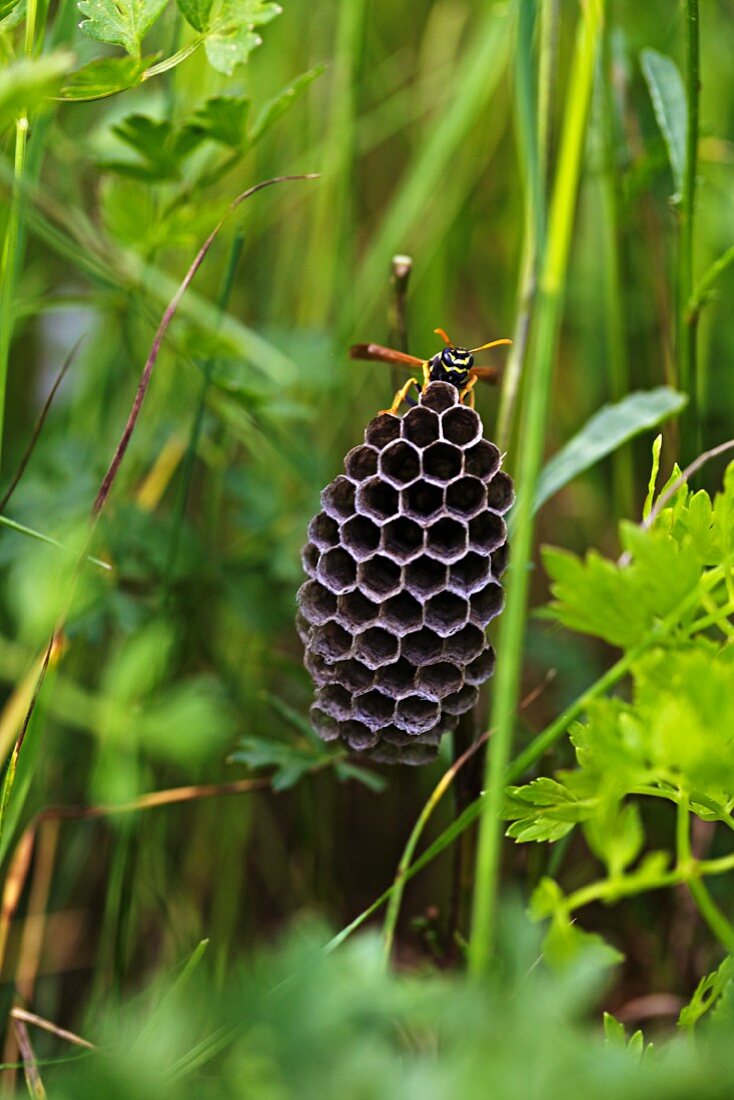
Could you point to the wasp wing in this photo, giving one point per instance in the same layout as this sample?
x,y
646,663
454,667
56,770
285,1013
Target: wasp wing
x,y
380,354
485,374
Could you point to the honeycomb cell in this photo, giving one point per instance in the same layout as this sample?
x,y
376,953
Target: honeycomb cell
x,y
337,570
358,736
361,462
397,680
400,463
499,559
336,701
356,611
446,540
461,425
374,709
481,668
446,613
353,675
469,574
466,497
422,501
310,559
393,736
402,613
414,754
337,499
331,641
402,538
376,647
415,714
442,462
304,629
487,532
422,647
323,531
424,577
500,492
461,701
320,671
439,680
377,499
379,577
361,536
420,426
326,727
482,460
382,430
439,396
317,603
465,645
488,603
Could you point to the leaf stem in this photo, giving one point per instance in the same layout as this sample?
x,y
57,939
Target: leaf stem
x,y
538,383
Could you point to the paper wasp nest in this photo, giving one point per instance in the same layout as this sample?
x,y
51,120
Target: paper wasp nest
x,y
404,562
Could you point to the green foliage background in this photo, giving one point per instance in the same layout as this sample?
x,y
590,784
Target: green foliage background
x,y
435,129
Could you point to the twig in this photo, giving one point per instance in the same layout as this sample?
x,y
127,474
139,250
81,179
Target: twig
x,y
39,424
47,1025
30,1068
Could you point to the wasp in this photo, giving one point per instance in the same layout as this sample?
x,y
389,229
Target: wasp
x,y
452,364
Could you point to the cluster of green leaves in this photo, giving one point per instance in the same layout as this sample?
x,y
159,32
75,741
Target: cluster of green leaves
x,y
667,603
300,1021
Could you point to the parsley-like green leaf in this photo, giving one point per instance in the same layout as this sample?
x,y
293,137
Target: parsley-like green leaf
x,y
120,22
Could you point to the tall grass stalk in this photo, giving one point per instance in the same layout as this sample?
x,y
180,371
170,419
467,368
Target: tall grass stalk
x,y
537,394
687,331
12,243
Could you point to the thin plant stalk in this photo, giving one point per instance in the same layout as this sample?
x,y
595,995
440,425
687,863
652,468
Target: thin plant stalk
x,y
534,115
538,386
12,243
690,383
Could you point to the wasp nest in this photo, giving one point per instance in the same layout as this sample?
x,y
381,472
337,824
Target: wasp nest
x,y
404,562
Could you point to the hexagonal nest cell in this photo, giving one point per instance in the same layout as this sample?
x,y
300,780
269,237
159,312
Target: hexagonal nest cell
x,y
404,561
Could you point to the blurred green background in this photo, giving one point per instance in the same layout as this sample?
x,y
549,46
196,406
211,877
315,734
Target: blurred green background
x,y
189,646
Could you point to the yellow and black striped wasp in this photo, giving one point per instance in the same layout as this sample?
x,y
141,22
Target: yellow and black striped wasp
x,y
452,364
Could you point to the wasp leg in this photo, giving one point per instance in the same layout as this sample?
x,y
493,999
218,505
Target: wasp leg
x,y
426,373
400,397
468,391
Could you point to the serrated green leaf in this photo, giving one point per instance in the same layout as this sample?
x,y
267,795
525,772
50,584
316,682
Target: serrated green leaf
x,y
230,31
196,12
567,944
161,147
615,835
104,77
620,603
276,107
668,95
708,991
614,1031
607,430
120,22
546,899
223,119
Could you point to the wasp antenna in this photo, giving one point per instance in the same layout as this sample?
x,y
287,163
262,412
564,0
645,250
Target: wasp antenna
x,y
442,333
493,344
